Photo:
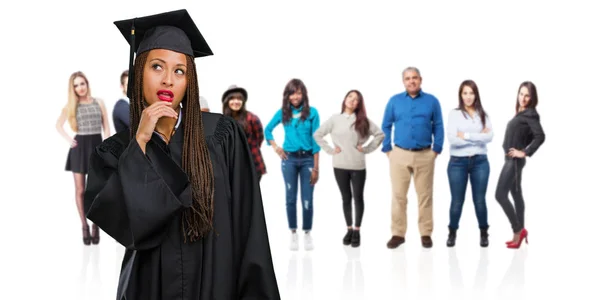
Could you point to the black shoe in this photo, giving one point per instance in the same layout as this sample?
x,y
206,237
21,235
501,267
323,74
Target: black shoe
x,y
355,238
95,234
484,242
348,237
87,237
451,238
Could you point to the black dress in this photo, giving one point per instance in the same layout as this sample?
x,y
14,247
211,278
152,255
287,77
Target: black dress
x,y
138,200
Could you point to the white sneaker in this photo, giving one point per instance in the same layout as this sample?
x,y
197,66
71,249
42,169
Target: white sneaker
x,y
294,242
308,242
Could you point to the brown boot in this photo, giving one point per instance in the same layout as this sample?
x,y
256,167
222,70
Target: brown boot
x,y
395,241
426,241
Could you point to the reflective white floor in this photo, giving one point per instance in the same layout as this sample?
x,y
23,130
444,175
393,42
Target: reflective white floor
x,y
43,257
58,266
68,270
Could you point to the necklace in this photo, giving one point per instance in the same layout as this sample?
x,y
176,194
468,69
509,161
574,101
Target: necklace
x,y
164,137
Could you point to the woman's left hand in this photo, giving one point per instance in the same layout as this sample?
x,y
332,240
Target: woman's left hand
x,y
512,152
314,176
360,148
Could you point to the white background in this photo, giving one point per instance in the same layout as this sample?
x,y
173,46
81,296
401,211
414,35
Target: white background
x,y
332,47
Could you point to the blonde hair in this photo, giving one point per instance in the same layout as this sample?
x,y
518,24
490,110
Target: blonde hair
x,y
74,99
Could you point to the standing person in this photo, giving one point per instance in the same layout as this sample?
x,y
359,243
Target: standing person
x,y
349,131
234,105
469,131
299,156
416,117
87,117
179,189
523,137
121,109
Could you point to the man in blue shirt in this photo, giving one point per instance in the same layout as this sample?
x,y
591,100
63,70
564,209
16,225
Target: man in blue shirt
x,y
418,139
121,109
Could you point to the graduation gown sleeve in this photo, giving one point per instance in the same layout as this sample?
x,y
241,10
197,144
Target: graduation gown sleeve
x,y
256,279
133,196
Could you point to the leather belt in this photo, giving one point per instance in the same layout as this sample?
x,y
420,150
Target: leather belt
x,y
300,153
415,149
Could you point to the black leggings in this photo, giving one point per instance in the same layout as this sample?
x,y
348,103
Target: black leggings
x,y
510,181
352,183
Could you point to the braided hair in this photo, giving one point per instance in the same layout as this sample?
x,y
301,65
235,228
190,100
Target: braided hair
x,y
196,161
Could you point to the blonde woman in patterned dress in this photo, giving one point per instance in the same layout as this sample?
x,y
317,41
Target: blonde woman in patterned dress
x,y
87,117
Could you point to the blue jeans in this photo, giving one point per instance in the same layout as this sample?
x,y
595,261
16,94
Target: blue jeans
x,y
460,170
298,165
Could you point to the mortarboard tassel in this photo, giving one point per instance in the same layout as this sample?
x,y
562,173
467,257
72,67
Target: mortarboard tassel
x,y
131,55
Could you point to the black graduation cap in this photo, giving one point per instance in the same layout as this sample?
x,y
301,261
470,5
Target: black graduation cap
x,y
174,30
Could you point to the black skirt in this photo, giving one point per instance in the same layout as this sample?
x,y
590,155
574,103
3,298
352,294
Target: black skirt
x,y
78,157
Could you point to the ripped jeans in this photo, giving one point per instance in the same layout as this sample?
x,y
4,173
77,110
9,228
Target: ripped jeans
x,y
298,165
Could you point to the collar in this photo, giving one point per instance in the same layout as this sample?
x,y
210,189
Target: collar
x,y
296,110
126,99
180,114
419,94
176,124
475,113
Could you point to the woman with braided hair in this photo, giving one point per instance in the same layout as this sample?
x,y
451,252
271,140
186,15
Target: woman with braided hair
x,y
180,190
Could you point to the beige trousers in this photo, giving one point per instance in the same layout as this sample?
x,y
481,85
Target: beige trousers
x,y
403,165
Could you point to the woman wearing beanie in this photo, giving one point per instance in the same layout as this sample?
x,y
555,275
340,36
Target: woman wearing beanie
x,y
234,105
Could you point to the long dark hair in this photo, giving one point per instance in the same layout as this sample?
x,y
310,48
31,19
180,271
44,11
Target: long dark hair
x,y
476,103
290,88
196,161
361,125
533,96
241,115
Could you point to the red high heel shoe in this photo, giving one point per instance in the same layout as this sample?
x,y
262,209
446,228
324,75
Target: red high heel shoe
x,y
522,236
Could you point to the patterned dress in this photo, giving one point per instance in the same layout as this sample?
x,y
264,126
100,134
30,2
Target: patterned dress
x,y
89,135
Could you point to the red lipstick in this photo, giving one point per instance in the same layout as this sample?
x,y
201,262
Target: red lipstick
x,y
165,95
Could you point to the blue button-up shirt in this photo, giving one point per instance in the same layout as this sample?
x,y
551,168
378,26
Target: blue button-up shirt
x,y
415,120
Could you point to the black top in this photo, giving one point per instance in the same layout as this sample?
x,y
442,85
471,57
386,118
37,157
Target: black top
x,y
524,132
138,200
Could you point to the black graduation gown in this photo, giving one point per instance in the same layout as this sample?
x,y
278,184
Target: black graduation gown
x,y
138,200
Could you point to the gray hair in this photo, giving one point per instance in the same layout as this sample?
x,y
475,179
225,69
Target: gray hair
x,y
411,69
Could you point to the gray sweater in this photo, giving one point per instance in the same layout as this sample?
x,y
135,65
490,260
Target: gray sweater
x,y
343,135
